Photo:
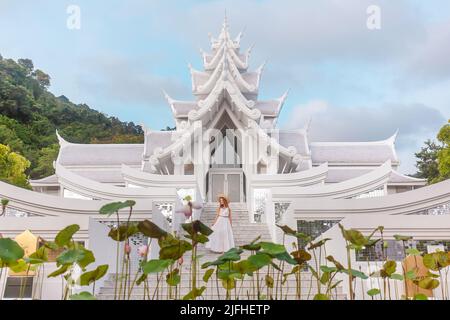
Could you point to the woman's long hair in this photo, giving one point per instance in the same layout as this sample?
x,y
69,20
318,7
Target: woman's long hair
x,y
225,202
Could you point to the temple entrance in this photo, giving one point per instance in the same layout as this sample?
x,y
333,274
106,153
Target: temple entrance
x,y
226,181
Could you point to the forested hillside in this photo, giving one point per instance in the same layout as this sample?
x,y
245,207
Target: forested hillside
x,y
30,115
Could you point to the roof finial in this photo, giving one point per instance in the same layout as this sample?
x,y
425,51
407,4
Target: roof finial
x,y
61,140
225,20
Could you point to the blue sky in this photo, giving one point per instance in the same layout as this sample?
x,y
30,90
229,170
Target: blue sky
x,y
354,83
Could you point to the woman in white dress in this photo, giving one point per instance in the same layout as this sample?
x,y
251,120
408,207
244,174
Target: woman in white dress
x,y
221,240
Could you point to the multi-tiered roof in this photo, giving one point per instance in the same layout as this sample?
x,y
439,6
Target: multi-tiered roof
x,y
226,76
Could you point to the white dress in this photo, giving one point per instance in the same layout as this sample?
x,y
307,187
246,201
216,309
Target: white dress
x,y
221,240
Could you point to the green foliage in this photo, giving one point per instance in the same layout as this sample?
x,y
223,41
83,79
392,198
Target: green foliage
x,y
13,167
82,296
427,163
30,115
444,154
91,276
65,235
156,266
115,207
433,161
10,251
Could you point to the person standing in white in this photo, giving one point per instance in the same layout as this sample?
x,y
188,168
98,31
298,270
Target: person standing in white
x,y
222,239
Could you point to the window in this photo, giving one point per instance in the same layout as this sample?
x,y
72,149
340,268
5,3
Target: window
x,y
18,287
313,229
189,169
262,168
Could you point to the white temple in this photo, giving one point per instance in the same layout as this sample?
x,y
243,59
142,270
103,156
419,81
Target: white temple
x,y
227,141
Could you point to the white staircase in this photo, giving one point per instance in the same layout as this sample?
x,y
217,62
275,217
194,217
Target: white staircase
x,y
244,231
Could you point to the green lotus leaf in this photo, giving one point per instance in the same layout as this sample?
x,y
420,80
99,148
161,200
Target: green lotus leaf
x,y
389,267
123,232
420,296
432,275
373,292
338,265
234,254
301,256
287,230
321,296
151,230
59,271
195,293
260,260
318,244
198,238
90,277
10,251
353,236
87,259
34,261
413,252
269,281
328,269
155,266
428,283
51,245
325,278
196,227
115,207
251,247
208,275
272,248
356,274
173,278
64,237
402,238
245,267
69,257
19,266
286,258
229,274
411,275
40,254
82,296
396,276
175,250
141,279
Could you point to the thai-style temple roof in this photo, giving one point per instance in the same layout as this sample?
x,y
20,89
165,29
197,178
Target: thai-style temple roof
x,y
297,139
100,154
354,152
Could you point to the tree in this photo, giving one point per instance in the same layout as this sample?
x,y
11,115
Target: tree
x,y
444,153
427,161
13,167
47,156
434,158
42,78
27,64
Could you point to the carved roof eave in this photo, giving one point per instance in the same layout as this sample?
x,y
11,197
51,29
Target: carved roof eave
x,y
242,65
290,153
172,102
170,151
239,103
232,69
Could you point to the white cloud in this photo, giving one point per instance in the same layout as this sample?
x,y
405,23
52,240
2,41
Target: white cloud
x,y
415,122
